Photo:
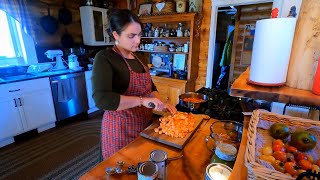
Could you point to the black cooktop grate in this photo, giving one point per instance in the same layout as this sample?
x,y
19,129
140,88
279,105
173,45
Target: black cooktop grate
x,y
220,105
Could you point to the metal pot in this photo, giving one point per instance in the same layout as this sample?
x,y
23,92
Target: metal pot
x,y
191,105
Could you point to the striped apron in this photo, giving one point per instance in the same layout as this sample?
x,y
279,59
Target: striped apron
x,y
119,128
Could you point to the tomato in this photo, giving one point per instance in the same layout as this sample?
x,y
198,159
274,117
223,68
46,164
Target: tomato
x,y
267,158
315,168
278,148
318,163
291,149
278,142
278,165
270,159
291,168
310,158
290,157
267,150
301,156
303,140
279,131
281,156
264,157
305,164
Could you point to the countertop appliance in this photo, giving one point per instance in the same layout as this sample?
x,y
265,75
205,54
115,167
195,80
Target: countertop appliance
x,y
56,54
69,95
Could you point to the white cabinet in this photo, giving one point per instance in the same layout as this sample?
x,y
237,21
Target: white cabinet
x,y
10,121
92,105
24,106
94,26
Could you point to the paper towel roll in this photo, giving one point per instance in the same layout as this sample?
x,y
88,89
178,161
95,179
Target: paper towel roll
x,y
271,51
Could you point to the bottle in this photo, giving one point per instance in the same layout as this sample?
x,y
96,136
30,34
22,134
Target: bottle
x,y
170,69
316,81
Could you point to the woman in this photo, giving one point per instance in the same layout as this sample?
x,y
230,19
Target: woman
x,y
122,86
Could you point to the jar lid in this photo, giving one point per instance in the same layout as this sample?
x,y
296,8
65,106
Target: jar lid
x,y
158,156
226,152
217,171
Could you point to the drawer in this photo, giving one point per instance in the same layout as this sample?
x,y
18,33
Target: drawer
x,y
24,86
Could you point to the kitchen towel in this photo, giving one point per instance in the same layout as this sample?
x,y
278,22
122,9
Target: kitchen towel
x,y
277,107
65,90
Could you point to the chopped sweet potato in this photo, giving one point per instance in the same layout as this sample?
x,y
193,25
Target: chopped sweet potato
x,y
177,125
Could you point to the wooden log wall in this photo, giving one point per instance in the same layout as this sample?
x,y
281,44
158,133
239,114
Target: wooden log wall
x,y
246,15
305,48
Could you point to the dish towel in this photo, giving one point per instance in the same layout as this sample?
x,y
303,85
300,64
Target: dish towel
x,y
65,93
291,111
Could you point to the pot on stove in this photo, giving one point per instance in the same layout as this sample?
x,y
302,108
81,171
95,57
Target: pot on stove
x,y
192,105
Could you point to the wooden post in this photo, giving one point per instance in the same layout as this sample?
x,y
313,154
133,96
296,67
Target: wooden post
x,y
306,46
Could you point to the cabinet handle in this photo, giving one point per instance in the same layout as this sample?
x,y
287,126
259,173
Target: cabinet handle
x,y
15,102
14,90
20,102
53,82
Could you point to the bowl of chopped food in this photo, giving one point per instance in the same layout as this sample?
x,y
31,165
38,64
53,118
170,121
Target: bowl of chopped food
x,y
192,100
224,132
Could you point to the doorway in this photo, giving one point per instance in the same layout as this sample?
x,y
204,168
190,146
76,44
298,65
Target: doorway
x,y
213,27
223,46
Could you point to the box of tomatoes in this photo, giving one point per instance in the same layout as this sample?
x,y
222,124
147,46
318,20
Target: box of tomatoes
x,y
282,147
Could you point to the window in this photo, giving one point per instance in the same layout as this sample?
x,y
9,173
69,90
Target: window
x,y
12,48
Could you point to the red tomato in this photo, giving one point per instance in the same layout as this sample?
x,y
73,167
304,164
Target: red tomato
x,y
291,149
318,163
291,168
301,156
278,147
305,164
290,157
281,156
278,142
278,165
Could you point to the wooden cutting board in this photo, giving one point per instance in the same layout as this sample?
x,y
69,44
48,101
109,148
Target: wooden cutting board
x,y
165,139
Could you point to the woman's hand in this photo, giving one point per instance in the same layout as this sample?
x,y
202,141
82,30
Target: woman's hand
x,y
158,105
171,108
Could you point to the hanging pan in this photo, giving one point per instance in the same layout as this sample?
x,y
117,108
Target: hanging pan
x,y
67,40
65,15
49,23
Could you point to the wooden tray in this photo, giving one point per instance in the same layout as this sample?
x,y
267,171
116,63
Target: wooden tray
x,y
171,141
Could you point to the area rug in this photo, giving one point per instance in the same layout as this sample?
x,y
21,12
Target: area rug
x,y
65,152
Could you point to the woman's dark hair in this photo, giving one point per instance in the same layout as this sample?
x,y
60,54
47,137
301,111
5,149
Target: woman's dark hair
x,y
120,19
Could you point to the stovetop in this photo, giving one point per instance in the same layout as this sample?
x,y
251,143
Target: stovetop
x,y
220,105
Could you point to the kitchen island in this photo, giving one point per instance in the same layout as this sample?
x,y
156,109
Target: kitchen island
x,y
192,165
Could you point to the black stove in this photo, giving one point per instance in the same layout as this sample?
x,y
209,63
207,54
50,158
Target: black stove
x,y
220,105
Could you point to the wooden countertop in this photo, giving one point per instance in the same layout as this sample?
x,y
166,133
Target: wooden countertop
x,y
191,166
284,94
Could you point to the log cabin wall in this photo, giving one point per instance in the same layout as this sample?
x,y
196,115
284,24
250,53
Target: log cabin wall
x,y
246,15
204,44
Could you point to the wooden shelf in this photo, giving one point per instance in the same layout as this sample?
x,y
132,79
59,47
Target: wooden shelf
x,y
165,52
165,37
284,94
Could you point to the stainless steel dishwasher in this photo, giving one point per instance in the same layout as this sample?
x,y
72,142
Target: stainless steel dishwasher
x,y
69,94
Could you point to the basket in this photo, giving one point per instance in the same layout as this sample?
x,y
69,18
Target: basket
x,y
168,8
258,135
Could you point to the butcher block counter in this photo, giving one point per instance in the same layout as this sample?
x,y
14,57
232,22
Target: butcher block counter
x,y
284,94
191,166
